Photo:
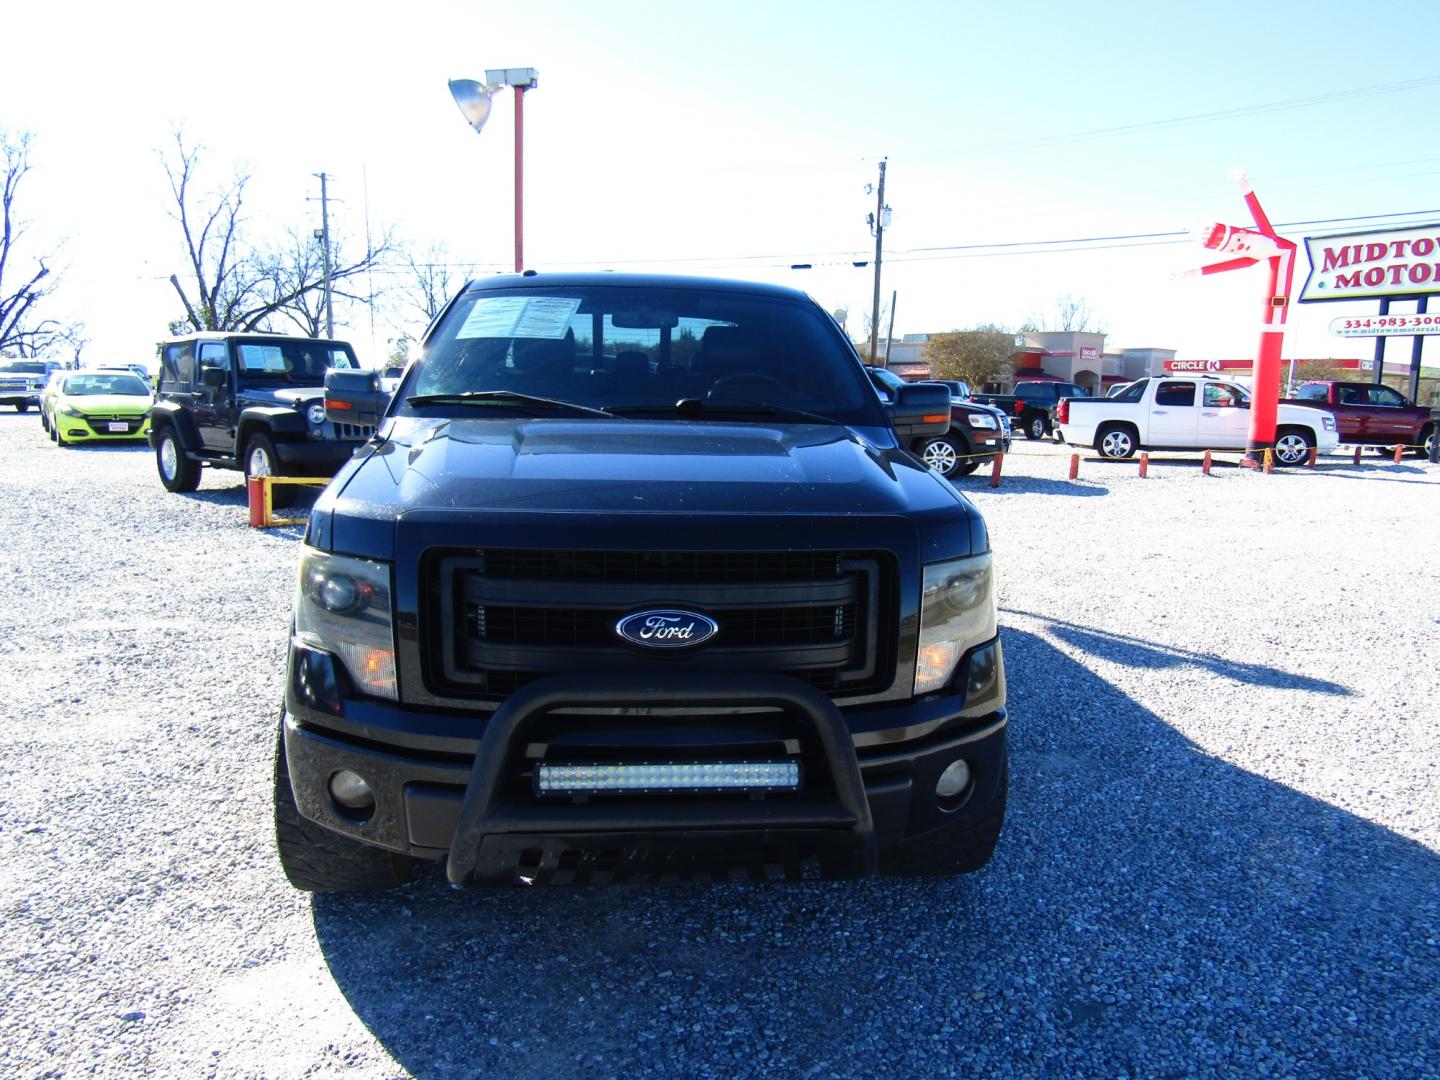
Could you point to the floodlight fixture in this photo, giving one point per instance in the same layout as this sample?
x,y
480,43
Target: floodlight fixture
x,y
475,100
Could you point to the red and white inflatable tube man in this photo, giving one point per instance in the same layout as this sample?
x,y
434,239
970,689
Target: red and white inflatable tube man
x,y
1246,248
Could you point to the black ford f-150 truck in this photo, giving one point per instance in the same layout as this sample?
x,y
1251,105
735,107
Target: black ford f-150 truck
x,y
637,580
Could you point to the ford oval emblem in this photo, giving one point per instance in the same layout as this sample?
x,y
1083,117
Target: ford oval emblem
x,y
666,628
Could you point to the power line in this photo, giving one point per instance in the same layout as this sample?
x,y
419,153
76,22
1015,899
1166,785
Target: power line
x,y
1197,118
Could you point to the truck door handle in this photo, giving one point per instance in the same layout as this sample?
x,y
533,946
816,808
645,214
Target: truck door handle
x,y
1159,412
1209,414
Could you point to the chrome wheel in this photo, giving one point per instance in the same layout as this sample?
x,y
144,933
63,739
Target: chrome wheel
x,y
259,463
1117,444
1291,449
169,458
940,455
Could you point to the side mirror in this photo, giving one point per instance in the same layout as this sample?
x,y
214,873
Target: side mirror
x,y
213,376
920,409
354,397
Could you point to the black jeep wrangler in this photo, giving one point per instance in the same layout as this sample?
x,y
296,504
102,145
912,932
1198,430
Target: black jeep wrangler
x,y
637,581
253,402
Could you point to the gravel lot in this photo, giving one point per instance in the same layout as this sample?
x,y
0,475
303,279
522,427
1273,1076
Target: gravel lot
x,y
1222,856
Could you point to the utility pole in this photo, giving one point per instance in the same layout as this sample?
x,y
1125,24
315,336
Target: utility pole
x,y
325,239
890,334
877,222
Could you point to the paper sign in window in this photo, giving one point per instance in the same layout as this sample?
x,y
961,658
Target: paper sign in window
x,y
519,317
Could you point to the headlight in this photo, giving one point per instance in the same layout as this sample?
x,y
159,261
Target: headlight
x,y
957,612
315,414
70,410
343,607
982,420
1328,422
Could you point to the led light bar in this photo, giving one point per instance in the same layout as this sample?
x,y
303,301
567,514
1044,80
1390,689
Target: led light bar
x,y
588,779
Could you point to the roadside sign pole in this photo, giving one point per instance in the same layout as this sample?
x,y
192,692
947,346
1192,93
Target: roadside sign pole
x,y
1380,344
1417,352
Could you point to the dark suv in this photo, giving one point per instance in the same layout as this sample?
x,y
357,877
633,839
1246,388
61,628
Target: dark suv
x,y
253,402
638,580
975,435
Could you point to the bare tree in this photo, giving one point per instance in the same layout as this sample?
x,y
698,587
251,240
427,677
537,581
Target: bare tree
x,y
297,278
978,356
237,285
1067,313
30,281
431,280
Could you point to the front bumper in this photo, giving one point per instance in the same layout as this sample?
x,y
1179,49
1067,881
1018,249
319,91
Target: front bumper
x,y
474,811
11,398
321,456
84,429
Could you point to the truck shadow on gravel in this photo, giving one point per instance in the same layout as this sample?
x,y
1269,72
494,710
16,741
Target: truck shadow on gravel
x,y
1138,653
1152,910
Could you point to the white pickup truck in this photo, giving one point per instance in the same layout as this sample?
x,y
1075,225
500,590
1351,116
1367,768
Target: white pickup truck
x,y
1187,414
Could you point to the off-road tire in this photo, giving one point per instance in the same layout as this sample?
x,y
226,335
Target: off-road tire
x,y
184,473
281,495
317,860
961,848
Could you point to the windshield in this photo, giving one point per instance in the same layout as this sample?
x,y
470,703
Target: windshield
x,y
92,385
23,367
638,350
290,363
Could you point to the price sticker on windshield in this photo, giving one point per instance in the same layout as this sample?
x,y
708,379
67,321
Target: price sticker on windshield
x,y
519,317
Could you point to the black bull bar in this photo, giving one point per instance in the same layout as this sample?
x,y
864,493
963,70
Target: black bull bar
x,y
490,831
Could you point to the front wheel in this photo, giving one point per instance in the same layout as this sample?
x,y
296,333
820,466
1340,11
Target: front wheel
x,y
1292,446
1116,443
261,460
317,860
946,455
1427,443
1036,428
177,472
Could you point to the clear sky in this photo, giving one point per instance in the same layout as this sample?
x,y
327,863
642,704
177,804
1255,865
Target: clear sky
x,y
737,139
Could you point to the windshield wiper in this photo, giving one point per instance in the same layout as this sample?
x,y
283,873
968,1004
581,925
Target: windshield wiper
x,y
712,407
502,397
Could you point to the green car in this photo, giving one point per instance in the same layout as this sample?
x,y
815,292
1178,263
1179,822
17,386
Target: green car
x,y
96,406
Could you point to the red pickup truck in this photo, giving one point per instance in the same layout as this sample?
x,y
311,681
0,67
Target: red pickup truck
x,y
1369,414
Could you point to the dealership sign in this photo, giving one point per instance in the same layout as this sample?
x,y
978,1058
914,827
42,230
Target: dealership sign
x,y
1373,265
1385,325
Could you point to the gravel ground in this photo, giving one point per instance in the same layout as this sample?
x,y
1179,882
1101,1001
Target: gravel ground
x,y
1222,856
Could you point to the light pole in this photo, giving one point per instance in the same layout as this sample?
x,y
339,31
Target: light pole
x,y
474,101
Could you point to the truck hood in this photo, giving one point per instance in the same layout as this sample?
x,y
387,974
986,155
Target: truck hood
x,y
637,466
288,396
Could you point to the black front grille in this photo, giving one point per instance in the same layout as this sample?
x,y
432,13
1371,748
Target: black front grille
x,y
354,431
662,566
505,617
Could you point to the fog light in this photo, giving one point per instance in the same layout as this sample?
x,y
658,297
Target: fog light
x,y
954,780
350,790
